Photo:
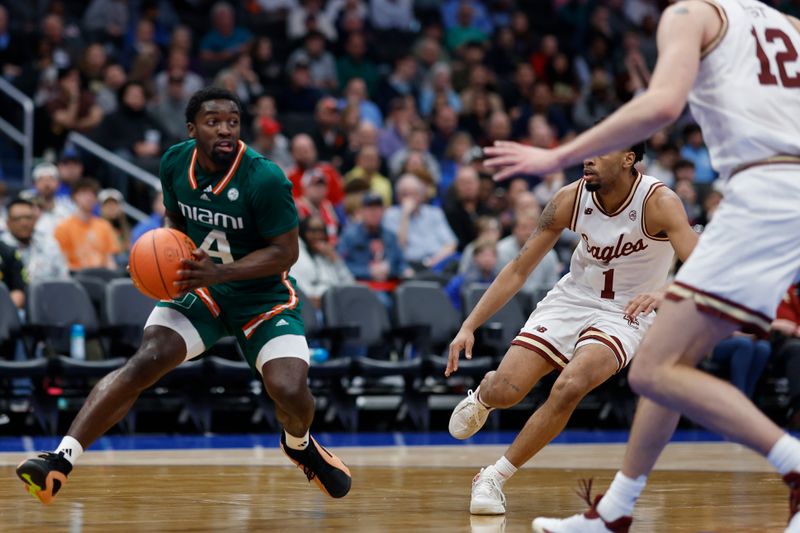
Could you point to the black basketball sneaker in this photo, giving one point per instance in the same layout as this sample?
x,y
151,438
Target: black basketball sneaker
x,y
321,466
45,475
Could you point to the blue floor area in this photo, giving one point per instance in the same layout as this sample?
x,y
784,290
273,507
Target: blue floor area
x,y
179,442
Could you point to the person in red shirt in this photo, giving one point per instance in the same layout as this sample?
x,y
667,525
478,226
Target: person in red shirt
x,y
305,158
314,201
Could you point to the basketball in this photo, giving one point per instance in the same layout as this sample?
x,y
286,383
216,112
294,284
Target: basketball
x,y
155,260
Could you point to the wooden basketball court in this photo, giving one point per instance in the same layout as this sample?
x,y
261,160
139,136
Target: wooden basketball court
x,y
697,487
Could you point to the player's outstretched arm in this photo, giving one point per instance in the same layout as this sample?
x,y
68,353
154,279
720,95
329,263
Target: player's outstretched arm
x,y
682,32
664,215
555,217
276,257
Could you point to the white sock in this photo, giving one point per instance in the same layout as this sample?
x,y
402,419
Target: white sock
x,y
620,497
71,447
785,455
297,443
504,469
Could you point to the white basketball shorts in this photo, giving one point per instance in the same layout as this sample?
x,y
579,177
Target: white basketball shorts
x,y
570,317
750,252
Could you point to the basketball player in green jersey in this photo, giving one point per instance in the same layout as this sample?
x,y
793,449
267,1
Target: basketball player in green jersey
x,y
237,207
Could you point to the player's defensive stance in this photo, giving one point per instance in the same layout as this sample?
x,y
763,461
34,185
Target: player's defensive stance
x,y
590,324
237,206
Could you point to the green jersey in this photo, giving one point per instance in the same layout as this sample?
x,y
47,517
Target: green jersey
x,y
229,214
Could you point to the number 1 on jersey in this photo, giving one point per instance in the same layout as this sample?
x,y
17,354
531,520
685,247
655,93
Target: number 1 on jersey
x,y
216,245
608,289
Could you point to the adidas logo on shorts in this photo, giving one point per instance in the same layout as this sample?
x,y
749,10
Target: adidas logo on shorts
x,y
281,322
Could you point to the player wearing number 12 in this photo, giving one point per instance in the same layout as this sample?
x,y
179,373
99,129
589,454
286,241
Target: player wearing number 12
x,y
238,207
590,324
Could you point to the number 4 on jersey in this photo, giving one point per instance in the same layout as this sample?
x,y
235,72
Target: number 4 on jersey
x,y
216,245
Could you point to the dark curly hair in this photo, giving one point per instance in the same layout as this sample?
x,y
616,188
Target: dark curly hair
x,y
204,95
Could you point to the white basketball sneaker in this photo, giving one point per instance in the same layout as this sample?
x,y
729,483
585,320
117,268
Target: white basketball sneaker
x,y
468,417
588,522
487,495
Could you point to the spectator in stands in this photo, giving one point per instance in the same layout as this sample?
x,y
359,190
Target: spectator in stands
x,y
62,48
111,202
368,164
266,66
746,356
327,135
354,64
355,94
694,149
87,240
464,207
517,187
475,117
541,102
299,96
419,141
710,205
540,133
396,128
466,29
438,91
132,133
106,20
70,170
517,90
169,109
488,229
683,169
483,269
321,63
53,209
240,79
451,12
154,221
318,266
142,46
93,62
498,128
370,251
177,67
114,77
314,202
480,85
308,17
72,108
688,194
664,165
545,190
271,143
445,126
460,151
399,83
305,158
12,273
596,101
422,230
226,41
393,15
547,272
40,255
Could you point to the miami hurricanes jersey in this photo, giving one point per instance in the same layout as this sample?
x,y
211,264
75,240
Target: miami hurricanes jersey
x,y
617,258
231,213
746,97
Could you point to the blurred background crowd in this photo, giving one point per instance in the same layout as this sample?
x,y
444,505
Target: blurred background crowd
x,y
376,111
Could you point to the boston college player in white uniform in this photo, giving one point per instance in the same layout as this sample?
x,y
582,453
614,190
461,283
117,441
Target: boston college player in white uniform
x,y
737,63
589,326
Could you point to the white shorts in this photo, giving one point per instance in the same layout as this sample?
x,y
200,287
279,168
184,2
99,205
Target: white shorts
x,y
569,317
750,252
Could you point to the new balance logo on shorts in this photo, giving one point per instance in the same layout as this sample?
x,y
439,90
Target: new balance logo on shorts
x,y
281,322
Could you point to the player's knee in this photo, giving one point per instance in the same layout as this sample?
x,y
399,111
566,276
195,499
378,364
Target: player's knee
x,y
642,378
499,392
148,365
569,390
285,392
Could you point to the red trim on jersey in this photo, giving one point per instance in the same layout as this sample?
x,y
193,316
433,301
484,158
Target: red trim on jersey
x,y
206,298
576,208
625,204
220,186
653,188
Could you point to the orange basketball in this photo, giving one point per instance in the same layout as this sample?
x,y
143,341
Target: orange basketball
x,y
155,260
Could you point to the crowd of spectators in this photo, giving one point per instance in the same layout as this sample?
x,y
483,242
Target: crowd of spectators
x,y
376,111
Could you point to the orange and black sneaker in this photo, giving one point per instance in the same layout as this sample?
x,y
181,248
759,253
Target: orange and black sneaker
x,y
45,475
318,464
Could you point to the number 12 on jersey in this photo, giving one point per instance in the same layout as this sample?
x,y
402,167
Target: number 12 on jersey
x,y
608,288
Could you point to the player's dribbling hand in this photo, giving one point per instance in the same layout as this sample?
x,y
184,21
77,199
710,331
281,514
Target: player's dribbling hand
x,y
644,303
464,340
511,158
198,272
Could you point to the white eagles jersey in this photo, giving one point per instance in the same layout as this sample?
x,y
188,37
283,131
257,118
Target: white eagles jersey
x,y
617,258
746,97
